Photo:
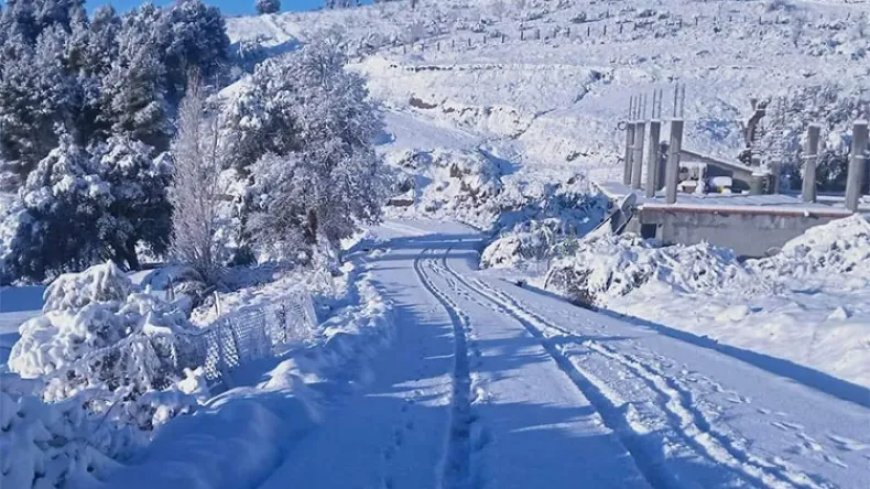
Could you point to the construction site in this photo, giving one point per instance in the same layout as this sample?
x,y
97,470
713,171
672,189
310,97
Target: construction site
x,y
679,196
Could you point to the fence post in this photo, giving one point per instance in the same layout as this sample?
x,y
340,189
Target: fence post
x,y
808,190
857,164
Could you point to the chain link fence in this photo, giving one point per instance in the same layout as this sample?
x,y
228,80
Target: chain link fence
x,y
253,333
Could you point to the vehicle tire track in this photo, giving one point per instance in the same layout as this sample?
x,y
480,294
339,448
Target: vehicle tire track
x,y
679,403
457,473
646,461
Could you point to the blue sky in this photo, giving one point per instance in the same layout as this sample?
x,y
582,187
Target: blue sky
x,y
229,7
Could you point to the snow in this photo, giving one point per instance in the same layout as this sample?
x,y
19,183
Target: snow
x,y
476,381
238,437
17,305
429,373
805,304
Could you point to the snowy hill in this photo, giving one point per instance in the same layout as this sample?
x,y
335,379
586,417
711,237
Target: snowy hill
x,y
545,83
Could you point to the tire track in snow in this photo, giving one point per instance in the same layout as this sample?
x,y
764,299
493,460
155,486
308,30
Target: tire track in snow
x,y
457,472
679,402
648,466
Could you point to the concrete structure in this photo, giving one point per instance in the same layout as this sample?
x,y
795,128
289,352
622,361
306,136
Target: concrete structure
x,y
629,142
672,175
637,155
653,160
808,190
751,231
857,166
745,177
751,225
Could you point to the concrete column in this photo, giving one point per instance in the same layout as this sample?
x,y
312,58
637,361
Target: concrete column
x,y
857,165
756,184
811,158
653,158
637,158
629,142
672,174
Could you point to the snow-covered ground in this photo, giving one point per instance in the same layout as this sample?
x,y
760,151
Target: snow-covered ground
x,y
488,103
485,384
429,373
17,305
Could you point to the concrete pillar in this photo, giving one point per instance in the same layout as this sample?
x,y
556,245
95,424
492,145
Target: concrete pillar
x,y
756,184
811,158
637,158
672,175
629,142
857,165
653,158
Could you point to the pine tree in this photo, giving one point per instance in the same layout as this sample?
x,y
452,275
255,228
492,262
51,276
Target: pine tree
x,y
191,37
36,95
268,6
61,202
139,211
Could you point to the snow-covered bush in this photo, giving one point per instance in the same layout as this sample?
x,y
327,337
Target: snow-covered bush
x,y
544,226
54,445
837,249
605,266
98,339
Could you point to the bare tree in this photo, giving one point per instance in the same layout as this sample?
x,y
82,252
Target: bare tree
x,y
195,192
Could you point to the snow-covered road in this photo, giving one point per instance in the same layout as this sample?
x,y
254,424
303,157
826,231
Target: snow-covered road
x,y
493,385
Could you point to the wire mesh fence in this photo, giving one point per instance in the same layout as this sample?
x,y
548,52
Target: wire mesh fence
x,y
254,333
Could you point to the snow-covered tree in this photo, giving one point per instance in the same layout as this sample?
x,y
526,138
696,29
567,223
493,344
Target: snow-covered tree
x,y
36,95
77,208
315,183
268,6
60,204
139,211
833,106
195,193
191,37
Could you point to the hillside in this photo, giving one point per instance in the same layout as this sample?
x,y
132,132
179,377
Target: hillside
x,y
551,105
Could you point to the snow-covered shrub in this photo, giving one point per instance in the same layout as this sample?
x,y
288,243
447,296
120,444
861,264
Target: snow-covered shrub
x,y
839,248
460,184
605,266
545,225
54,445
97,339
